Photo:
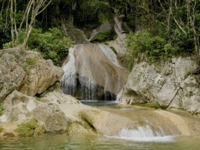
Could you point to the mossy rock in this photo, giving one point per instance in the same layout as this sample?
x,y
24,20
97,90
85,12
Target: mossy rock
x,y
30,62
30,128
104,36
1,129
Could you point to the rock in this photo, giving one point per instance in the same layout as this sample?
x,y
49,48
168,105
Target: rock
x,y
104,32
171,84
118,43
26,71
46,110
11,74
56,111
92,71
75,34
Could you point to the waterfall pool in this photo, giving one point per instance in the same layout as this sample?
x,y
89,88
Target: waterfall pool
x,y
141,139
85,142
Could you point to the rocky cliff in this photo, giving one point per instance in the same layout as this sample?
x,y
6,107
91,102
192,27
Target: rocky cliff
x,y
172,84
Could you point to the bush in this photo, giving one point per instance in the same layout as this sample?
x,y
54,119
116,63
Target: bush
x,y
5,34
143,43
156,48
52,44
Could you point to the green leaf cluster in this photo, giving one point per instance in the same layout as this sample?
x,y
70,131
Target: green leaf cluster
x,y
52,44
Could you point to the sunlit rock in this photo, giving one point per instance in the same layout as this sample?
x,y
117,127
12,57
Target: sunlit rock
x,y
92,71
171,84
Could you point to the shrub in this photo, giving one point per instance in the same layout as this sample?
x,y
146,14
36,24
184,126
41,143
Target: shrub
x,y
154,48
52,44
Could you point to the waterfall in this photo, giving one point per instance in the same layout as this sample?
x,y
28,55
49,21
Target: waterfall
x,y
69,78
119,95
92,72
143,134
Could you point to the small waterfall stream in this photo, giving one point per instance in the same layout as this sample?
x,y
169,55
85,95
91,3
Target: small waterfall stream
x,y
92,72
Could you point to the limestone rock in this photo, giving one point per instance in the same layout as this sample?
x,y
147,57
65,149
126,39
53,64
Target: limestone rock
x,y
92,71
118,43
26,71
19,108
11,74
75,34
171,84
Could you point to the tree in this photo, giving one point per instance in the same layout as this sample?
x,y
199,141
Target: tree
x,y
33,8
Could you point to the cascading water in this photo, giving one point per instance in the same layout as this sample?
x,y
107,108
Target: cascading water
x,y
69,78
144,134
92,72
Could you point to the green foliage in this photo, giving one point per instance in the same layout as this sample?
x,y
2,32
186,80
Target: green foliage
x,y
51,44
142,43
31,128
182,43
5,34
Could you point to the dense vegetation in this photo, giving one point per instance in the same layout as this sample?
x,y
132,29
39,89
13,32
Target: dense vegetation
x,y
158,29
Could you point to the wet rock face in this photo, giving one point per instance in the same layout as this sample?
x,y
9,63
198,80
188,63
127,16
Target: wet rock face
x,y
26,72
92,71
173,85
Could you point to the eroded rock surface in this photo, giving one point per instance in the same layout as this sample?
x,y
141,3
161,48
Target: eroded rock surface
x,y
172,85
92,71
26,71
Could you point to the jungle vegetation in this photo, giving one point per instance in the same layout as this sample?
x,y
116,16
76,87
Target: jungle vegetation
x,y
158,29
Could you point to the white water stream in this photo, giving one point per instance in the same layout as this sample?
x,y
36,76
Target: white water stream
x,y
143,134
84,80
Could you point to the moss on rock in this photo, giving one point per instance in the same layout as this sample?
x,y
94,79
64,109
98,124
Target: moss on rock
x,y
30,128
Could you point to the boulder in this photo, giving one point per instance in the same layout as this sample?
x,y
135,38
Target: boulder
x,y
55,111
75,34
26,71
171,84
46,110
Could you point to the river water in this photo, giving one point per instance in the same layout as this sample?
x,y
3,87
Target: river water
x,y
99,142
